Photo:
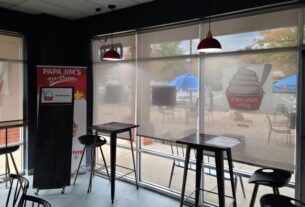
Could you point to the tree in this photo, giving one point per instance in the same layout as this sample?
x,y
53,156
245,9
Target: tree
x,y
285,62
166,70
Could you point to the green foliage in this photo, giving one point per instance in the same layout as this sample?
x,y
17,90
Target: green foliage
x,y
276,38
168,69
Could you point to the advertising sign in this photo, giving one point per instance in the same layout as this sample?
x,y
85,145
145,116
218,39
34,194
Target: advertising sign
x,y
56,95
77,78
248,88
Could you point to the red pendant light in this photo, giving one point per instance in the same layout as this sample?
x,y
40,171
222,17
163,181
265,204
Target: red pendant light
x,y
111,54
209,44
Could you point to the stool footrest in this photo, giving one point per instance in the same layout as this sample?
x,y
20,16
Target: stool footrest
x,y
98,171
127,168
201,189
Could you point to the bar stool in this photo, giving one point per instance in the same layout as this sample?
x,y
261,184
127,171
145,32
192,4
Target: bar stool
x,y
9,150
91,141
272,200
274,178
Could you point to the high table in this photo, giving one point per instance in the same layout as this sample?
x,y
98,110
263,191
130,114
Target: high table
x,y
114,128
218,145
8,149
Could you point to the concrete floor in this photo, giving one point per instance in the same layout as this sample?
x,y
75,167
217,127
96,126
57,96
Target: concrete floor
x,y
126,195
157,170
154,170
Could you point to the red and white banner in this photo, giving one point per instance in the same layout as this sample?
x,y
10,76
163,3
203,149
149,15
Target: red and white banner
x,y
77,78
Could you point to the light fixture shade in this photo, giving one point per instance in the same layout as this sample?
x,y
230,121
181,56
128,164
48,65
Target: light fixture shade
x,y
209,44
111,55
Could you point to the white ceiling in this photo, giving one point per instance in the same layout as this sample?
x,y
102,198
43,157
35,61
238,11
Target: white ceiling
x,y
68,9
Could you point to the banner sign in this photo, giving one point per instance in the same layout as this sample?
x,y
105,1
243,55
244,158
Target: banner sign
x,y
77,78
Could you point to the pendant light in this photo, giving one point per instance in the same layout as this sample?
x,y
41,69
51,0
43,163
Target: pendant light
x,y
209,44
111,54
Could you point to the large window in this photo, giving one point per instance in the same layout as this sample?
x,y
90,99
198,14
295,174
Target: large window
x,y
247,91
11,94
114,84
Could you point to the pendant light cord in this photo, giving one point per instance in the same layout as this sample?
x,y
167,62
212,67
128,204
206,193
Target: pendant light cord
x,y
111,7
209,13
112,41
209,23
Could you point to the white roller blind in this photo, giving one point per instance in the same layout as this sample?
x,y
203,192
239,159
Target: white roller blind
x,y
167,109
280,19
170,42
11,78
114,92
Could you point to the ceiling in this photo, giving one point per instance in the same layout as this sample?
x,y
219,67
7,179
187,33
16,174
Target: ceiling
x,y
68,9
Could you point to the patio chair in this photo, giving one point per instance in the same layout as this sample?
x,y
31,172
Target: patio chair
x,y
281,109
32,201
18,187
191,113
280,128
179,151
167,112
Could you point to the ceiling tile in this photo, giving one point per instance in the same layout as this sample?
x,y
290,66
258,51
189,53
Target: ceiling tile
x,y
51,9
120,4
26,10
69,9
5,5
143,1
11,1
80,6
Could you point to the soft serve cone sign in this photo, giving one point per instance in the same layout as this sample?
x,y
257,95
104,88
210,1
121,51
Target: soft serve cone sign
x,y
245,91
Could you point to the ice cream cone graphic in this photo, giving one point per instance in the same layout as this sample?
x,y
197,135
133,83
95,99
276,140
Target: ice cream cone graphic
x,y
48,95
245,91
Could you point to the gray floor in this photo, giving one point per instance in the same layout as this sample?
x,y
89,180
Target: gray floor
x,y
126,195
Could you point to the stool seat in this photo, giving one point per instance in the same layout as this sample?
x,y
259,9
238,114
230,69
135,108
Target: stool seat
x,y
88,140
9,149
272,200
270,177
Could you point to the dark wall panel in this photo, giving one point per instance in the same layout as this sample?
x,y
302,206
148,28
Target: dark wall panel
x,y
49,42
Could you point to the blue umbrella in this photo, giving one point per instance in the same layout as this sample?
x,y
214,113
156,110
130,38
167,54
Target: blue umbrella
x,y
185,81
287,85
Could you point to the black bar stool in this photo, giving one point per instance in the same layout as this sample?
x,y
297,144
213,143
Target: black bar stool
x,y
273,200
274,178
9,151
91,141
